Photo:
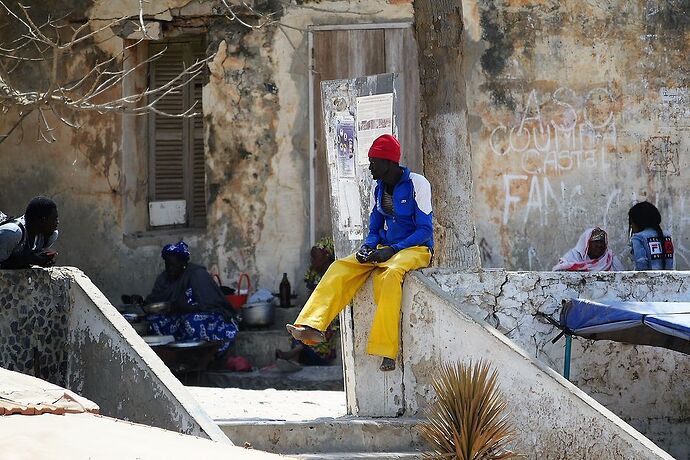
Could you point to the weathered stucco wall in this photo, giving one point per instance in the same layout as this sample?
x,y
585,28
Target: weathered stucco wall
x,y
577,109
255,108
82,343
553,418
645,386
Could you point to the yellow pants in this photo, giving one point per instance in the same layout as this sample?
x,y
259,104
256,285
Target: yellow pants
x,y
342,280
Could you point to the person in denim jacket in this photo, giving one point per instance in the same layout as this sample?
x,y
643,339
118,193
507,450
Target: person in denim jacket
x,y
651,247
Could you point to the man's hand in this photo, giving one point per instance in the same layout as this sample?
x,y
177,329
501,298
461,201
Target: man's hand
x,y
382,255
363,254
47,258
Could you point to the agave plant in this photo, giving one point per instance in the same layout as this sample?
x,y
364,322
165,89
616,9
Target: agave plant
x,y
468,420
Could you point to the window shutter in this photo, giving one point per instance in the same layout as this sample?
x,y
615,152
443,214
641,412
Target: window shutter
x,y
176,159
198,201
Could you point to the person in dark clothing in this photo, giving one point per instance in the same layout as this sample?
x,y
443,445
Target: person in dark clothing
x,y
24,241
199,310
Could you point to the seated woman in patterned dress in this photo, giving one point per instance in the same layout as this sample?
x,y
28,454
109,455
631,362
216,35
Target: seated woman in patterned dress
x,y
199,310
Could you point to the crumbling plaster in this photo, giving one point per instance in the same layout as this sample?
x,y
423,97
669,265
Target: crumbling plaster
x,y
645,386
552,417
576,109
257,153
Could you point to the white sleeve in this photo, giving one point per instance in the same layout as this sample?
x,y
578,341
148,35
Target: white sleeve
x,y
422,192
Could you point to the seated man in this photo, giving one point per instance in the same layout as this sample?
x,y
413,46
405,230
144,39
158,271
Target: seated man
x,y
590,254
400,239
199,310
24,240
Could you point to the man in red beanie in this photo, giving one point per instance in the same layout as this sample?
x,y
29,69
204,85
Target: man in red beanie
x,y
400,239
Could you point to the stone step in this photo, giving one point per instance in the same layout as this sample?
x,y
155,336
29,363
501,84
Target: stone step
x,y
326,435
309,378
259,346
361,455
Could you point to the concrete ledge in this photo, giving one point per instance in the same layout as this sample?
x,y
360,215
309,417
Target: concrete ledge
x,y
347,434
553,418
640,384
111,364
56,325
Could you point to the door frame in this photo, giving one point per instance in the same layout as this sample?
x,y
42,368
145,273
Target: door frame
x,y
312,146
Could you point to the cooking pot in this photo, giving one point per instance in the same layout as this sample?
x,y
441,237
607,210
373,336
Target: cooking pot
x,y
258,313
157,308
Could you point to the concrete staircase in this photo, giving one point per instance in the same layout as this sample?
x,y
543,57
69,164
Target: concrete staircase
x,y
327,438
307,424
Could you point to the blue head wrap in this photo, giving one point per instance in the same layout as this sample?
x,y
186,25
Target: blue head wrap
x,y
180,250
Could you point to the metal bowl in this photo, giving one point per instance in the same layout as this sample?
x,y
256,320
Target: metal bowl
x,y
258,313
156,308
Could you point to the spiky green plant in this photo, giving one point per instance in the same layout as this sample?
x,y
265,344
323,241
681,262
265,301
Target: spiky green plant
x,y
468,420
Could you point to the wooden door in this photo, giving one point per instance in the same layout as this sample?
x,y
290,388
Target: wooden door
x,y
344,54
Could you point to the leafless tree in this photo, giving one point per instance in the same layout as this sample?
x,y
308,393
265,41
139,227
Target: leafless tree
x,y
48,46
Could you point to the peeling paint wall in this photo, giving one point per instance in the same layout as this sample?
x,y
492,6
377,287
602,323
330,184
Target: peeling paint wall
x,y
55,324
255,106
645,386
577,109
554,419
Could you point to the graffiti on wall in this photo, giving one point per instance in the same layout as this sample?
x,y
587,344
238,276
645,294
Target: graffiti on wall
x,y
554,135
661,155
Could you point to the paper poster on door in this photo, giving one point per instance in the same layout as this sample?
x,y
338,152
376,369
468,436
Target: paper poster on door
x,y
350,209
374,118
345,143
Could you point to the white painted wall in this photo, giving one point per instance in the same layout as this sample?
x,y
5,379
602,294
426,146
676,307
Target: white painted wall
x,y
646,386
111,364
553,417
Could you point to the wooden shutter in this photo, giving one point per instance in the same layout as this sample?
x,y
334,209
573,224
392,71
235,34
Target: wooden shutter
x,y
176,161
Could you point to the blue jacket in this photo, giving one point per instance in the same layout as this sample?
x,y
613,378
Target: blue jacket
x,y
649,252
412,224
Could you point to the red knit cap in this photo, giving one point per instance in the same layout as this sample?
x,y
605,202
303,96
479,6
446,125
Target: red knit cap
x,y
386,147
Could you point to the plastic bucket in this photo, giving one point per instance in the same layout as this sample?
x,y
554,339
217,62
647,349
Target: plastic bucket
x,y
237,300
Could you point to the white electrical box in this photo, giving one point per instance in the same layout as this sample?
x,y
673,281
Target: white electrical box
x,y
172,212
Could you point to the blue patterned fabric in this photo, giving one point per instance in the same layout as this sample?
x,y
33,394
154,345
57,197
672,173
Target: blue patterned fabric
x,y
190,327
180,249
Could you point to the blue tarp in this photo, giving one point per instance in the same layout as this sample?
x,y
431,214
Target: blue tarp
x,y
663,324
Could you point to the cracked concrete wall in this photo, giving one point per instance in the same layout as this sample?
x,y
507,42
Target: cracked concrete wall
x,y
255,107
576,110
645,386
552,417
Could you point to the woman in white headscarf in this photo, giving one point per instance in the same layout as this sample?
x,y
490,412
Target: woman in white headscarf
x,y
591,254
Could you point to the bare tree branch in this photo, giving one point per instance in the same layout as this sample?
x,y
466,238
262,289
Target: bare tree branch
x,y
49,42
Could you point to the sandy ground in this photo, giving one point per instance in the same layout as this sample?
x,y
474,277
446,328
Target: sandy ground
x,y
289,405
88,436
